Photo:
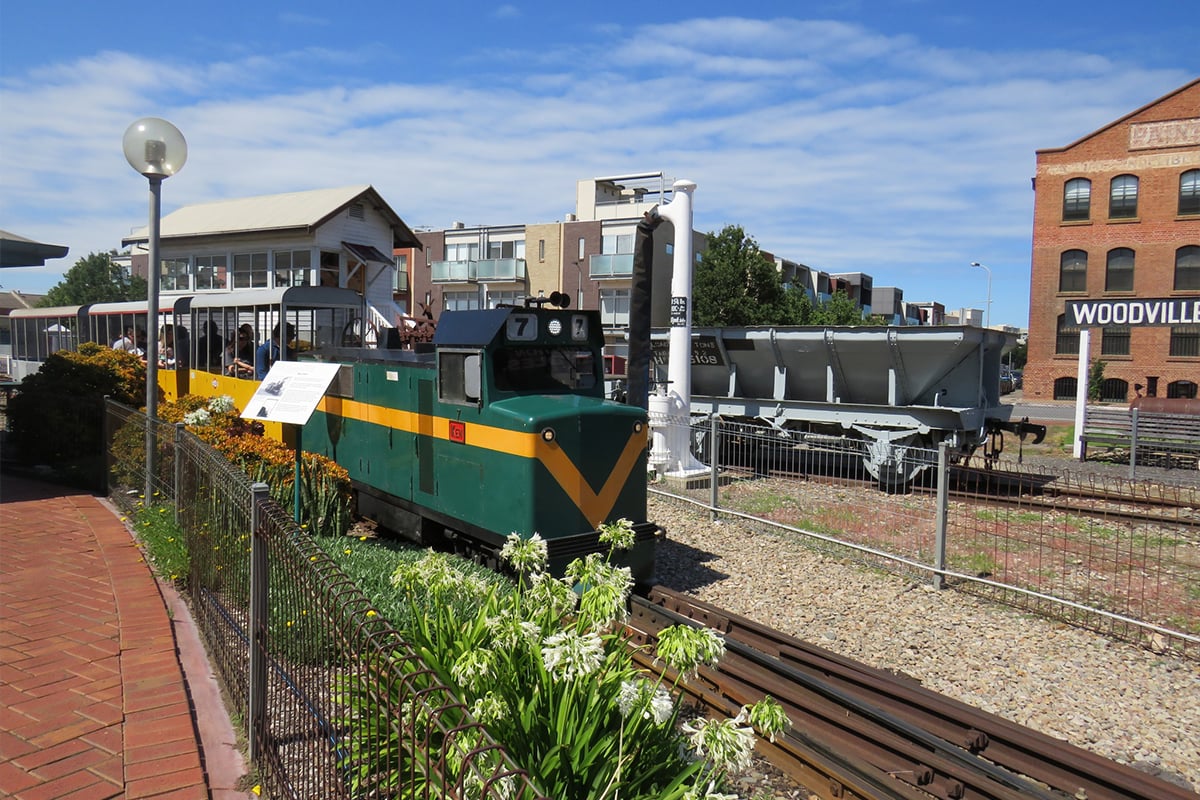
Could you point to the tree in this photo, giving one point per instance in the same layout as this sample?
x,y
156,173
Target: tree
x,y
95,279
1095,387
1017,356
838,310
736,285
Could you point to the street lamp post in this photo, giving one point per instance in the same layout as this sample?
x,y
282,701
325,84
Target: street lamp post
x,y
155,148
987,316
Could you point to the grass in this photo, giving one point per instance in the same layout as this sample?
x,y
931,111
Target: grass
x,y
164,542
370,562
760,503
1007,515
977,563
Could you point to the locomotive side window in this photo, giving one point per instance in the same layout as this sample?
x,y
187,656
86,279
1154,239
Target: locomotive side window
x,y
458,377
544,369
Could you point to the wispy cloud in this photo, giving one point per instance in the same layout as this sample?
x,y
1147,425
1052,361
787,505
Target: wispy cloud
x,y
829,142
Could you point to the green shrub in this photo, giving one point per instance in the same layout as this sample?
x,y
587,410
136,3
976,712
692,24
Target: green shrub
x,y
57,415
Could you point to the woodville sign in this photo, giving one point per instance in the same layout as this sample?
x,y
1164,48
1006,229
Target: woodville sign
x,y
1142,311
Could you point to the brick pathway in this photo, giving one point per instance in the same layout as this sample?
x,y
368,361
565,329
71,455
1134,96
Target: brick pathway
x,y
92,698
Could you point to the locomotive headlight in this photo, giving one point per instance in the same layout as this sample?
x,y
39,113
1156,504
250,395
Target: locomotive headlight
x,y
548,434
638,426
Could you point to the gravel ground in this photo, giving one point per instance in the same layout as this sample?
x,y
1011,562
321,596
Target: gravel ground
x,y
1117,700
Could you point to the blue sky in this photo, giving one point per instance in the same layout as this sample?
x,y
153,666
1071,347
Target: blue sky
x,y
892,138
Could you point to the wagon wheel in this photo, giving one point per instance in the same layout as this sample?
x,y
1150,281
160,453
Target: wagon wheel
x,y
360,333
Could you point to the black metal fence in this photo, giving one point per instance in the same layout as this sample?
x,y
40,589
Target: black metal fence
x,y
1096,548
334,702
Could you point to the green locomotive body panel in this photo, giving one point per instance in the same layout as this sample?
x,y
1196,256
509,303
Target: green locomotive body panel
x,y
492,436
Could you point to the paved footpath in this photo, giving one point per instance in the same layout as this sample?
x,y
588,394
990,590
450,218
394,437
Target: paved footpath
x,y
94,702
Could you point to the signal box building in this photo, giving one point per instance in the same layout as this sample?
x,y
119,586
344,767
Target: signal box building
x,y
1117,225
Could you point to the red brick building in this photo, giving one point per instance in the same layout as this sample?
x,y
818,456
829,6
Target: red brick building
x,y
1117,217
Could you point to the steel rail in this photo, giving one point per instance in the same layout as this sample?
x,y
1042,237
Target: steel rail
x,y
960,743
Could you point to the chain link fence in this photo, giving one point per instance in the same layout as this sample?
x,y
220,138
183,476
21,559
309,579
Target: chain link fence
x,y
1095,548
335,703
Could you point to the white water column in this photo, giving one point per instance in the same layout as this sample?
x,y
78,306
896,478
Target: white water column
x,y
670,406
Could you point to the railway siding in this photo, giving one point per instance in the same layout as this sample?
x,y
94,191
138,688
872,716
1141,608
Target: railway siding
x,y
1117,700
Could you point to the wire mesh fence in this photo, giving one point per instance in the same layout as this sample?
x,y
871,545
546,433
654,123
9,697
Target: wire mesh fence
x,y
334,702
1096,548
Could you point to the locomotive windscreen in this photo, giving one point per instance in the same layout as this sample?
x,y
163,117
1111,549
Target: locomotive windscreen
x,y
544,369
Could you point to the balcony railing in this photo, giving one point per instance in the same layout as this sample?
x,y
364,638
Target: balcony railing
x,y
452,271
490,269
500,269
611,265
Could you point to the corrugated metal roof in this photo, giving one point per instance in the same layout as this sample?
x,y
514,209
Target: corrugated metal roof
x,y
272,212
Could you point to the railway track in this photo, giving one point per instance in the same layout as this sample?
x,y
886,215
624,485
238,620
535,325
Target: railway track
x,y
860,732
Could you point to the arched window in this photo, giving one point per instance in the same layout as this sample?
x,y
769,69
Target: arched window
x,y
1072,271
1185,389
1077,200
1189,192
1065,388
1114,390
1187,268
1122,197
1066,343
1118,271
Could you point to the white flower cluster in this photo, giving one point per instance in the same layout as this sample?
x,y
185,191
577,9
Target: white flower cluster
x,y
508,630
685,648
727,744
525,555
221,404
198,417
569,654
473,668
653,702
618,534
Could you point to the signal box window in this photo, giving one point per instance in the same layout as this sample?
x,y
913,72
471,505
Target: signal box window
x,y
1077,200
210,272
1072,271
249,270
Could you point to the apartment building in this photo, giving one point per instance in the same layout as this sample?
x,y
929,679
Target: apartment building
x,y
1117,223
588,257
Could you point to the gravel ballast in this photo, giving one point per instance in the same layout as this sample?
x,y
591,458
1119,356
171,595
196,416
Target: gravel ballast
x,y
1115,699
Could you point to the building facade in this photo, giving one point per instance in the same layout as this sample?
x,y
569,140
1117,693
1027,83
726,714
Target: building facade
x,y
343,237
588,257
1117,219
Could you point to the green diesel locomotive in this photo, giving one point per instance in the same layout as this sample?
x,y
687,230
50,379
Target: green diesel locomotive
x,y
500,425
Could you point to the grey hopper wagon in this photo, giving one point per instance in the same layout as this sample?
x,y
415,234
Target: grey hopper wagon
x,y
895,392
